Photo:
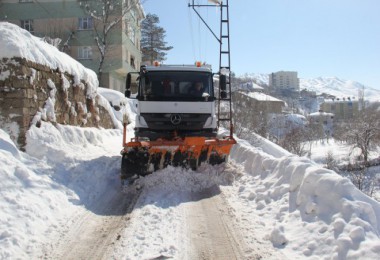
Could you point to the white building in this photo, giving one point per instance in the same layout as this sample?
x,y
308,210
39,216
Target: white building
x,y
284,81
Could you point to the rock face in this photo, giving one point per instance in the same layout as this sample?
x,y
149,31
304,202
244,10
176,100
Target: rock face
x,y
31,92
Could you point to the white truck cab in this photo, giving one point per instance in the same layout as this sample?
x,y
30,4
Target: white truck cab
x,y
174,101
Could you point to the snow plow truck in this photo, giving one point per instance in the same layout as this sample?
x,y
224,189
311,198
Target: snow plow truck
x,y
178,116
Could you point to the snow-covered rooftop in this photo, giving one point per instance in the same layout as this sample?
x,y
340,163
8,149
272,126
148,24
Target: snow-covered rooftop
x,y
318,114
260,96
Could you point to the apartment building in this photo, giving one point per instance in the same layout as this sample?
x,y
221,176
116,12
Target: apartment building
x,y
344,108
283,81
69,21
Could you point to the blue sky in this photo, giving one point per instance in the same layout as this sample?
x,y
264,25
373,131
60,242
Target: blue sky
x,y
317,38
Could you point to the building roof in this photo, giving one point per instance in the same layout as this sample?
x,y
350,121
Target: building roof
x,y
341,101
261,96
318,114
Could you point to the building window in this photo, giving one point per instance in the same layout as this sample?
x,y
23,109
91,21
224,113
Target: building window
x,y
132,62
27,25
131,34
85,23
84,53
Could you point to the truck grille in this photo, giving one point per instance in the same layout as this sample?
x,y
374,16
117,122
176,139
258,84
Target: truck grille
x,y
170,121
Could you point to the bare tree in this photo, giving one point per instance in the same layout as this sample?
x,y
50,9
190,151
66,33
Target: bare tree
x,y
107,15
59,34
330,162
294,141
363,132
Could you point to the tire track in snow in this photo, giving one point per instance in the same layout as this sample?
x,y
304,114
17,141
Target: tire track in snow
x,y
211,231
93,236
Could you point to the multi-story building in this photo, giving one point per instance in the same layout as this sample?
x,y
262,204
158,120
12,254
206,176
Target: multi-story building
x,y
69,21
345,108
283,81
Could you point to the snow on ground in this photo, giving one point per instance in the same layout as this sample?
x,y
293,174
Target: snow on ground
x,y
38,194
286,202
304,210
339,150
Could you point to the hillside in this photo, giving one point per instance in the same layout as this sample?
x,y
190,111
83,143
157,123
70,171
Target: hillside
x,y
329,85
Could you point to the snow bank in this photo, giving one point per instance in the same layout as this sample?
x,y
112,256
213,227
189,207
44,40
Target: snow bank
x,y
117,105
39,194
292,199
7,144
31,202
17,42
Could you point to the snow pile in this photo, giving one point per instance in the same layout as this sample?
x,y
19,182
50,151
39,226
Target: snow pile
x,y
38,196
31,202
17,42
117,105
303,209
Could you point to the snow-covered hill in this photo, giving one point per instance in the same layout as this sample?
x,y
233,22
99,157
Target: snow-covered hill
x,y
339,88
329,85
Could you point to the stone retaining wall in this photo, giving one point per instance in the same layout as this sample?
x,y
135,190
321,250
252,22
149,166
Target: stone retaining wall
x,y
31,92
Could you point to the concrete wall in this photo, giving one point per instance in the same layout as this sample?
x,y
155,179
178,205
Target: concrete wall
x,y
25,95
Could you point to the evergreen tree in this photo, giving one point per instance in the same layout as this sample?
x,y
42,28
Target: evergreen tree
x,y
153,45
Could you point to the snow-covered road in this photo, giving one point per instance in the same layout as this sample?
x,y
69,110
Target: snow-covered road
x,y
92,234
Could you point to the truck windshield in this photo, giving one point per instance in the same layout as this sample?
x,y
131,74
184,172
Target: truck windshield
x,y
176,85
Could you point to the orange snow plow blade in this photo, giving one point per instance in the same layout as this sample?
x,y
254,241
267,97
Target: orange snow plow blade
x,y
143,157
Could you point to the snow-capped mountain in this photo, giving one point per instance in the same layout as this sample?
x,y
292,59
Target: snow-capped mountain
x,y
259,78
339,88
329,85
